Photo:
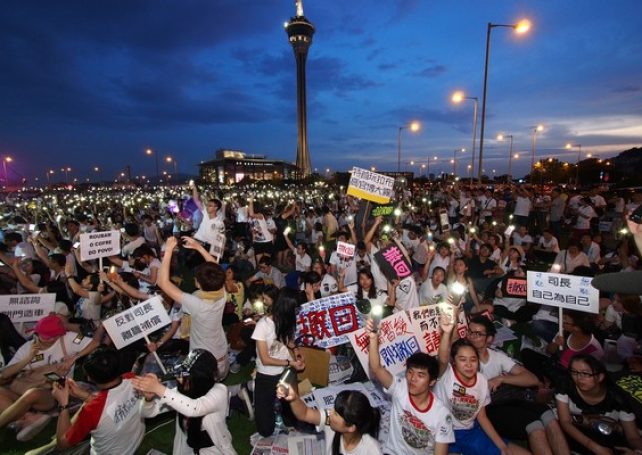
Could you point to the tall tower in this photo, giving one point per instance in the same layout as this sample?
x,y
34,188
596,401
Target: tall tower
x,y
300,32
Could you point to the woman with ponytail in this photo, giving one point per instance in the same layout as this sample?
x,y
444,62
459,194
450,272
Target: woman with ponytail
x,y
200,401
351,428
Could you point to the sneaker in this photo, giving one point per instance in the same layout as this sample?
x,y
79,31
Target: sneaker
x,y
29,431
235,368
245,397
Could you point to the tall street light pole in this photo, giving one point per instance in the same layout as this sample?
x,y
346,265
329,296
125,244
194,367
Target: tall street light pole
x,y
172,160
150,152
455,160
501,137
521,27
413,126
577,162
536,129
458,97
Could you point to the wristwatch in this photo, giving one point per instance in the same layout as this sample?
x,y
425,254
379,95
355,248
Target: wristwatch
x,y
63,407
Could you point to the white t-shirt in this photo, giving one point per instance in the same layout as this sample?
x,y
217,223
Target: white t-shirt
x,y
486,206
74,343
89,307
209,227
498,363
367,446
584,222
329,285
206,329
406,294
522,206
521,241
302,263
265,331
593,252
464,401
429,295
131,246
413,430
551,245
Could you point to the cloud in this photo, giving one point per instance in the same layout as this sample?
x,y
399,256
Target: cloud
x,y
627,89
432,71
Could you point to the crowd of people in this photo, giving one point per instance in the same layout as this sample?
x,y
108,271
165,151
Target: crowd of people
x,y
232,266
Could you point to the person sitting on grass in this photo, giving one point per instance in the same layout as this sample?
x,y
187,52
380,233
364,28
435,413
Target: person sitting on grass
x,y
351,428
466,393
419,421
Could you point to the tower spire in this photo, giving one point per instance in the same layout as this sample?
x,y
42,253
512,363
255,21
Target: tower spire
x,y
299,8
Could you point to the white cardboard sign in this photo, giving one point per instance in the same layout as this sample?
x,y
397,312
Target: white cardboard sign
x,y
564,291
95,245
345,249
136,322
27,307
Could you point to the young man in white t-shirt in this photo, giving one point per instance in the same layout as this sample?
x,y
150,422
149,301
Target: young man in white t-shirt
x,y
419,421
113,416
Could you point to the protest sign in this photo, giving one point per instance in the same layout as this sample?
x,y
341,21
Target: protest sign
x,y
217,247
382,210
393,263
397,342
563,291
514,287
95,245
345,249
425,324
371,186
136,322
326,322
325,396
27,307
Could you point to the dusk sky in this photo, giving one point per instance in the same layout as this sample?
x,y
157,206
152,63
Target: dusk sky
x,y
95,83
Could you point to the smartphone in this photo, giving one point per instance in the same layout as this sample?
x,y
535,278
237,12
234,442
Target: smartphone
x,y
509,230
55,377
76,245
443,220
636,216
122,230
32,227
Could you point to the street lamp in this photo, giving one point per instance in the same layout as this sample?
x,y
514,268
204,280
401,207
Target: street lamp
x,y
169,159
520,28
66,170
5,160
536,129
414,127
501,137
150,152
577,162
458,97
49,173
454,160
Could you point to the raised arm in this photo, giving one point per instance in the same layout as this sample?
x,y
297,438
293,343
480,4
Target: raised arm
x,y
374,361
192,244
196,197
299,409
164,281
371,233
443,354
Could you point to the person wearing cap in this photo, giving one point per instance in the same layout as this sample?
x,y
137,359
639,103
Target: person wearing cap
x,y
200,401
52,349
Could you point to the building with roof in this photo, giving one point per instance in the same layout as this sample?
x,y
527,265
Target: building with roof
x,y
232,166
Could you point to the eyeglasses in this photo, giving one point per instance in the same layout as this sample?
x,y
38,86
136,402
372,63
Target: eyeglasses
x,y
581,374
476,334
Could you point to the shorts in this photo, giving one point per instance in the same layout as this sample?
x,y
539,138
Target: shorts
x,y
473,442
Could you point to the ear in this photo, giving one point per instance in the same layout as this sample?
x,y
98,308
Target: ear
x,y
432,382
351,429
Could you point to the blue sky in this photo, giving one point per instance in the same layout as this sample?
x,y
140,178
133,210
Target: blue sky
x,y
95,83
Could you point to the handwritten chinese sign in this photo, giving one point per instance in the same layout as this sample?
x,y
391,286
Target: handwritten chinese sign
x,y
397,342
514,287
27,307
345,249
382,210
371,186
564,291
425,324
393,263
326,322
99,244
134,323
